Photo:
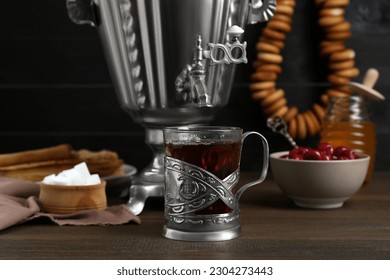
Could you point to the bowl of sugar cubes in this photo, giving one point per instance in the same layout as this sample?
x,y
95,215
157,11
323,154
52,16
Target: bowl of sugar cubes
x,y
72,190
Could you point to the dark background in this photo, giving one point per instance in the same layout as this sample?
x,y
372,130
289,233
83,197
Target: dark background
x,y
55,87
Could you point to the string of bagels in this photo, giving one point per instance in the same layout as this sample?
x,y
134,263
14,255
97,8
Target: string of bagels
x,y
340,59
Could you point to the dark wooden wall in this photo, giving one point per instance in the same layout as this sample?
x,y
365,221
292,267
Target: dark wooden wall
x,y
55,86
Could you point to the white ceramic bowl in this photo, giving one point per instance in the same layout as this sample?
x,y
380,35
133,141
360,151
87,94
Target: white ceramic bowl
x,y
319,184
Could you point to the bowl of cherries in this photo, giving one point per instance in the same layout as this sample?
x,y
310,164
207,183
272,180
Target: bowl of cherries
x,y
323,177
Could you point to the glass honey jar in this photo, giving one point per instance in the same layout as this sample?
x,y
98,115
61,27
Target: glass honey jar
x,y
347,123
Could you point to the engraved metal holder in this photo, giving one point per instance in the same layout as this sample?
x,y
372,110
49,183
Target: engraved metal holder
x,y
190,189
171,63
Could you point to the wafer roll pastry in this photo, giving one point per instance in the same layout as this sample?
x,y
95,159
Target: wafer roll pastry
x,y
62,151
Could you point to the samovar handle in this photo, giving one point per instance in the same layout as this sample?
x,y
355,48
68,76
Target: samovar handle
x,y
81,11
261,10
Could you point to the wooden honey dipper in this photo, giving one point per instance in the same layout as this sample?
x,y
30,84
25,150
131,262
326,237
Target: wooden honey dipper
x,y
366,88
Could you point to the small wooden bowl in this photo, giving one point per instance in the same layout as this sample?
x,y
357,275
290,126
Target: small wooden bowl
x,y
57,199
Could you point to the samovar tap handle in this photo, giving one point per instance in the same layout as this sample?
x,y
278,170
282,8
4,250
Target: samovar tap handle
x,y
82,11
228,48
261,10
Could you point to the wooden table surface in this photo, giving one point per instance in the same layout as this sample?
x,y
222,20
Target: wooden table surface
x,y
272,228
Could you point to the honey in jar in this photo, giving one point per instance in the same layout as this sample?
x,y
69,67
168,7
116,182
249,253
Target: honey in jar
x,y
347,123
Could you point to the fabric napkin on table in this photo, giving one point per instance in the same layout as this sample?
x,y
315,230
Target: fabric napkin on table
x,y
19,203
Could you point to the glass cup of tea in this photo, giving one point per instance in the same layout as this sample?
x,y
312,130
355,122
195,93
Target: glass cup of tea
x,y
202,168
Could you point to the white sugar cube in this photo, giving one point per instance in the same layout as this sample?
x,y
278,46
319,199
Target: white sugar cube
x,y
60,180
82,170
49,179
77,176
70,173
94,179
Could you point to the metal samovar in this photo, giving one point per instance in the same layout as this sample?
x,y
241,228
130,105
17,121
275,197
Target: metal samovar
x,y
172,63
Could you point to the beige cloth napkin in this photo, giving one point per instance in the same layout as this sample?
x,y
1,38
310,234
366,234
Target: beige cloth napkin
x,y
19,203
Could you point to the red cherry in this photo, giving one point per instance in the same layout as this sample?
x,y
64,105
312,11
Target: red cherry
x,y
295,156
325,148
342,158
312,155
324,156
350,154
298,151
340,151
356,156
346,153
323,151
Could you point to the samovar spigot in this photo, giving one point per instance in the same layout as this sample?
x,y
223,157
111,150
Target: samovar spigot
x,y
191,82
198,88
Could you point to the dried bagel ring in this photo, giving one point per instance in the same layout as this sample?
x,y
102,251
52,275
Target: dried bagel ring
x,y
319,111
280,26
278,43
301,125
338,80
281,112
287,2
345,89
270,68
267,47
270,57
342,55
340,27
293,127
311,127
338,35
332,12
274,34
335,93
260,95
331,48
341,64
262,85
348,73
264,76
335,3
284,9
281,17
279,93
330,20
275,106
316,122
292,112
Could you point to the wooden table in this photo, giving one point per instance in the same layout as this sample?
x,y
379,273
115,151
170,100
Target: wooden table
x,y
272,228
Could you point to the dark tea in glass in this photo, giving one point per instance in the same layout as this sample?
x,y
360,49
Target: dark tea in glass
x,y
218,152
220,159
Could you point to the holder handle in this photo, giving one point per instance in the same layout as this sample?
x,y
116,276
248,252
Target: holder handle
x,y
263,173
